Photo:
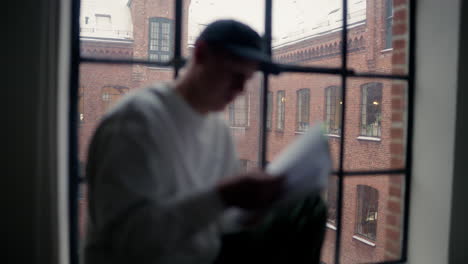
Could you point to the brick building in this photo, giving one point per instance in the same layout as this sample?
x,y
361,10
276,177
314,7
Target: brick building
x,y
374,132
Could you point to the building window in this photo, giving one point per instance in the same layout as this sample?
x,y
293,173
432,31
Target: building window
x,y
160,39
103,22
112,94
371,109
388,23
243,165
269,110
330,197
333,104
368,202
239,111
302,110
80,105
280,109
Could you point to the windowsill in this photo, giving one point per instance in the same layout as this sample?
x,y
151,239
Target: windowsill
x,y
376,139
363,240
238,127
159,68
279,130
331,226
333,135
299,132
386,50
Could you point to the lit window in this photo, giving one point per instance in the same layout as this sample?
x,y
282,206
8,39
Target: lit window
x,y
368,202
303,106
280,103
160,39
238,111
80,105
371,109
333,104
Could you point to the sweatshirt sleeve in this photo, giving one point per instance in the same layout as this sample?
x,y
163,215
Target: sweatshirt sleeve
x,y
128,174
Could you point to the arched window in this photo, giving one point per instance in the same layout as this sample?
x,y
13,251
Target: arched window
x,y
302,110
160,39
371,109
367,211
333,103
112,94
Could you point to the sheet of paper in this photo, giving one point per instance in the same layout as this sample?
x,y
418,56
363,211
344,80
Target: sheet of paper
x,y
306,163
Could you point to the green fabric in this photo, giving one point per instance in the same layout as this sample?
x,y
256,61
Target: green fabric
x,y
292,234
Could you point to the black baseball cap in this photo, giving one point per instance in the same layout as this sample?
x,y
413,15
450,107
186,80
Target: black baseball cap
x,y
240,40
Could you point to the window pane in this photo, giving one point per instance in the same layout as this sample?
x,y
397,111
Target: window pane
x,y
376,115
307,32
373,208
296,108
128,29
378,36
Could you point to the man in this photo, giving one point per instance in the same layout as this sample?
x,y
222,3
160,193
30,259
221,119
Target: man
x,y
162,167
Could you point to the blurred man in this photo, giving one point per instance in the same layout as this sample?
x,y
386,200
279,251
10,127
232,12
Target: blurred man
x,y
162,166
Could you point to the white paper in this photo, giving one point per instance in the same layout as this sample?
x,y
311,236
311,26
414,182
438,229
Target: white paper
x,y
306,163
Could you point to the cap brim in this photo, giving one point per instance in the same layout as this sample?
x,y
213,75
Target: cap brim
x,y
266,64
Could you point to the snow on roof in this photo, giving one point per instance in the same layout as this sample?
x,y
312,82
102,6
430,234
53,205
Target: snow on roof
x,y
105,20
293,20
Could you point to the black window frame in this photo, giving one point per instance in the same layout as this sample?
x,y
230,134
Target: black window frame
x,y
177,61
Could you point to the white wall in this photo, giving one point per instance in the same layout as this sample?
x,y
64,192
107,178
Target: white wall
x,y
434,132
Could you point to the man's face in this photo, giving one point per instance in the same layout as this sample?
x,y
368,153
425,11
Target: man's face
x,y
224,77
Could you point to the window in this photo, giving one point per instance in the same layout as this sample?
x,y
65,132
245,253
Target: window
x,y
112,94
243,165
269,110
388,23
81,105
343,49
302,110
330,197
239,111
160,39
367,208
371,109
280,109
103,22
333,103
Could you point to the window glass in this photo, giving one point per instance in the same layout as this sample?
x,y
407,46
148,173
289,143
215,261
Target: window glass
x,y
303,109
333,105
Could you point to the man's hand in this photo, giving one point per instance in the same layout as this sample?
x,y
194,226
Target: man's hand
x,y
253,190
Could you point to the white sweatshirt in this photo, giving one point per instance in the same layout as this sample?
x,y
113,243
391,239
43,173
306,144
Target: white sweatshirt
x,y
152,166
